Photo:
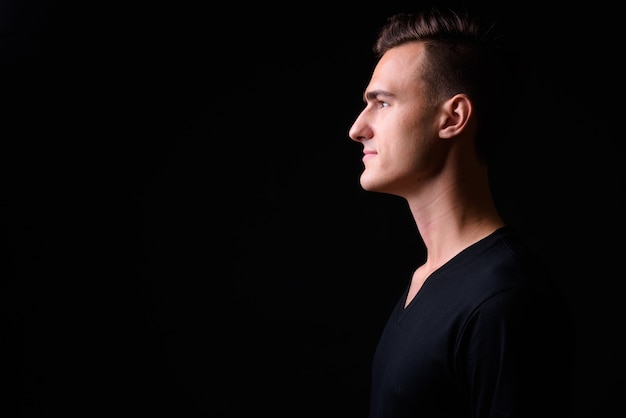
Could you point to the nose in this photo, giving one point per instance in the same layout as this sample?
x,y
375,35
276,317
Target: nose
x,y
360,129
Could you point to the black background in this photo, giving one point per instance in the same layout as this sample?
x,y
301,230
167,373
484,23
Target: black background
x,y
185,233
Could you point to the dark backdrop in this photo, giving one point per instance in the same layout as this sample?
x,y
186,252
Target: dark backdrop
x,y
183,226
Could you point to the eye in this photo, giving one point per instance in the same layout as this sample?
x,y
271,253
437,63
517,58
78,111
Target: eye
x,y
382,104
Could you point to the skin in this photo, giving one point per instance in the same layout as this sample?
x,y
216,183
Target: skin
x,y
423,150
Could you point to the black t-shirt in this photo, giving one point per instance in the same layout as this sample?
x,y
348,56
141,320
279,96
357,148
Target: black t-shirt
x,y
487,335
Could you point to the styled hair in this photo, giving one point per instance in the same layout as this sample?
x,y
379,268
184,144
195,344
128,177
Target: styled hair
x,y
463,54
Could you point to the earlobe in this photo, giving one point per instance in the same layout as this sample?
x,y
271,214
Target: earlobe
x,y
456,113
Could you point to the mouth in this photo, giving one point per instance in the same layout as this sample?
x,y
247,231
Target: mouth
x,y
367,154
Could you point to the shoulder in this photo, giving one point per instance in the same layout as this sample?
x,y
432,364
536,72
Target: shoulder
x,y
501,272
504,260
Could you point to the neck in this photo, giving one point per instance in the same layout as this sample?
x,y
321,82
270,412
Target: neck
x,y
455,218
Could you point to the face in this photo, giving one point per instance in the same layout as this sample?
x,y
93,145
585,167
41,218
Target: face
x,y
398,127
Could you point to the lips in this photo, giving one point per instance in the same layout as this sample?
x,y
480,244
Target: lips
x,y
368,154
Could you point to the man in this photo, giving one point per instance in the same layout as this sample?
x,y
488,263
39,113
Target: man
x,y
481,330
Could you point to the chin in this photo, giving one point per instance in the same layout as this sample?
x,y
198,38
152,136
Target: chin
x,y
370,185
376,185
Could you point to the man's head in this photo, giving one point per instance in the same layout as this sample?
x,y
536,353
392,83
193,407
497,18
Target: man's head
x,y
463,55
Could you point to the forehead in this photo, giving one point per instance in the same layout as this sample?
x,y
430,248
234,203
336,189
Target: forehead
x,y
398,67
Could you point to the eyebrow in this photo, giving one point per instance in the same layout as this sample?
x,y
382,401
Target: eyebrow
x,y
372,95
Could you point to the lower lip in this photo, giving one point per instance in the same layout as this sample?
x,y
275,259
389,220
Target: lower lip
x,y
368,156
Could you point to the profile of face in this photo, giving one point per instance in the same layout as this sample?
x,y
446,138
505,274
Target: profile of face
x,y
399,128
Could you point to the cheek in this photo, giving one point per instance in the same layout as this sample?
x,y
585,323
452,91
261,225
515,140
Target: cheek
x,y
406,135
413,150
409,137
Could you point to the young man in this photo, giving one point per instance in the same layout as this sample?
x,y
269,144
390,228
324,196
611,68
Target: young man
x,y
481,330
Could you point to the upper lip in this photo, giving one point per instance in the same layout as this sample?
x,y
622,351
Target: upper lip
x,y
368,151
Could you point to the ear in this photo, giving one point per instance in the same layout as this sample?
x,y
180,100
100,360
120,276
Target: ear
x,y
455,116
